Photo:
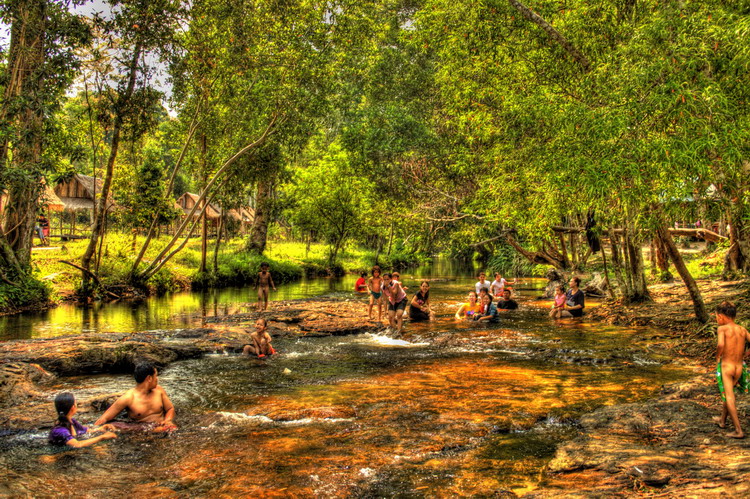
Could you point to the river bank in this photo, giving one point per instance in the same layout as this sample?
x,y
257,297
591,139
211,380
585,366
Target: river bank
x,y
56,281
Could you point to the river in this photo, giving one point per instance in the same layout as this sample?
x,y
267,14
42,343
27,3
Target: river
x,y
447,410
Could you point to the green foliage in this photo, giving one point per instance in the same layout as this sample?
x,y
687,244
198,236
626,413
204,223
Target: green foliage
x,y
29,293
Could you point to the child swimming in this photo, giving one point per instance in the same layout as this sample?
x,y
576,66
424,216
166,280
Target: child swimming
x,y
467,310
68,430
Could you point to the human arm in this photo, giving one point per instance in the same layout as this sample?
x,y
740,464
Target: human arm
x,y
77,444
577,299
270,280
120,404
415,303
461,312
167,424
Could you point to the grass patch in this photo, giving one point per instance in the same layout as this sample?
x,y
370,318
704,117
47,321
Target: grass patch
x,y
288,261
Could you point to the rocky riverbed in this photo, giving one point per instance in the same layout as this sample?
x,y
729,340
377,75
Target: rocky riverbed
x,y
665,446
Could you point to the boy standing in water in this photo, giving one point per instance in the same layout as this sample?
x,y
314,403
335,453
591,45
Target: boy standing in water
x,y
730,371
146,403
375,285
263,284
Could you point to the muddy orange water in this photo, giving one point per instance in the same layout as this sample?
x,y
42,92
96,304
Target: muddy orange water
x,y
447,410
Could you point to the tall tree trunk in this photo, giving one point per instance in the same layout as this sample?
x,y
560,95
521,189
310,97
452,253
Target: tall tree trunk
x,y
636,269
661,257
221,229
256,241
687,278
204,226
101,207
738,255
25,81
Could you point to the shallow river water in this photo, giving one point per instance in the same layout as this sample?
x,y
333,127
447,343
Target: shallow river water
x,y
448,410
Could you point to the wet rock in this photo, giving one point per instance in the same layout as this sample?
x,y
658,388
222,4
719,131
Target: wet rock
x,y
556,278
18,382
597,286
332,412
669,443
112,353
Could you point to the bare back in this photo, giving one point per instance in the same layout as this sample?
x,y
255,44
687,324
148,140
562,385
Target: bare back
x,y
732,339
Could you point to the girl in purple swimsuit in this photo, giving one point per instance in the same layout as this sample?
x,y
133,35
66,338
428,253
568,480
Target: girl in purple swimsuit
x,y
67,430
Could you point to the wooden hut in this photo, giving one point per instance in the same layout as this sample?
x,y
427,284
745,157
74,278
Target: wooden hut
x,y
187,201
78,194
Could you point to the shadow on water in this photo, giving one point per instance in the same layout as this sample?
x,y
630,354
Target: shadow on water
x,y
448,410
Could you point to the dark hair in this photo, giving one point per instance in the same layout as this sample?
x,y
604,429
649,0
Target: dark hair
x,y
265,321
63,403
486,291
489,296
577,280
474,293
363,274
482,272
388,275
507,290
727,308
264,264
143,371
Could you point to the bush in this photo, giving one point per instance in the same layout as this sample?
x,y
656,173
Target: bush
x,y
29,293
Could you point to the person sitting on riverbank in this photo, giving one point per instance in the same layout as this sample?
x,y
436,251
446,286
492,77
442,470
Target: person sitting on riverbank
x,y
264,283
146,403
483,283
361,285
559,305
396,302
419,310
489,311
261,340
375,285
506,302
574,300
67,431
467,310
731,372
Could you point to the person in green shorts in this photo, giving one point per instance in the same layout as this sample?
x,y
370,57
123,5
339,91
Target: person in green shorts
x,y
730,372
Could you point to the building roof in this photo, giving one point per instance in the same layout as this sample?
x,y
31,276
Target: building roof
x,y
213,212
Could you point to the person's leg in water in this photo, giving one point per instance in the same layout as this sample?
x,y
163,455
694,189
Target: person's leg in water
x,y
369,308
730,376
249,350
399,318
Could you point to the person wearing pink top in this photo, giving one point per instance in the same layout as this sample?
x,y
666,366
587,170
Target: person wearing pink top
x,y
559,305
396,302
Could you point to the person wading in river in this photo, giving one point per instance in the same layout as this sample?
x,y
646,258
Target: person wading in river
x,y
146,403
574,304
731,374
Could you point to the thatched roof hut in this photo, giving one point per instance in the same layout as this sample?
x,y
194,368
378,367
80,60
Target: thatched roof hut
x,y
188,200
49,200
79,193
243,215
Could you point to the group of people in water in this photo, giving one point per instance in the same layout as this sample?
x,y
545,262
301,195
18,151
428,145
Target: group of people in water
x,y
148,405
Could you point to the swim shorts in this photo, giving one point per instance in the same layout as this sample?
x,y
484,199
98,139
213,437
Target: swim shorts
x,y
397,306
376,295
742,386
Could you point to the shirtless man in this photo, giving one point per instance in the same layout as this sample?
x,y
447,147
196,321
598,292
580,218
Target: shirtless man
x,y
146,403
730,372
264,283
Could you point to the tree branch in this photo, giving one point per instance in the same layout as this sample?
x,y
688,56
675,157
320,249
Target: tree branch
x,y
552,33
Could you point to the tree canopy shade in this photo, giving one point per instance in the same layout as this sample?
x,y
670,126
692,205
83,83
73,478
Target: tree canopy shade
x,y
443,123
